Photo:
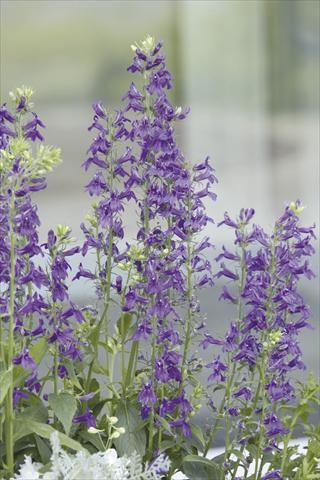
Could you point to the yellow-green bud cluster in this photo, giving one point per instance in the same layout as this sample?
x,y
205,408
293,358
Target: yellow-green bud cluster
x,y
296,207
146,46
20,92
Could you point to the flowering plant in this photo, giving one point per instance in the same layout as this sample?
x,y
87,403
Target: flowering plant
x,y
121,377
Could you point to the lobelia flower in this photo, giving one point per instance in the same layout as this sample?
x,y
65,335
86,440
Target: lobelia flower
x,y
146,395
273,475
87,418
272,312
172,212
22,171
61,333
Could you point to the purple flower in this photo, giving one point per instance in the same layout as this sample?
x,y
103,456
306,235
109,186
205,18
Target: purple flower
x,y
17,395
88,396
146,395
244,392
182,423
278,390
209,340
25,360
97,185
226,273
274,426
99,109
87,418
31,128
233,411
218,370
273,475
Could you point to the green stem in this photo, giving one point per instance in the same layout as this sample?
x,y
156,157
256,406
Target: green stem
x,y
228,398
56,352
131,362
259,460
9,399
104,317
153,357
263,366
214,428
123,335
108,288
286,442
189,302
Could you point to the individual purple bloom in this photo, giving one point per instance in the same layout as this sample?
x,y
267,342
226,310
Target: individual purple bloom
x,y
99,109
145,411
244,392
132,298
182,423
62,371
17,395
146,395
87,418
231,338
6,115
278,390
6,131
226,273
83,273
218,370
228,255
25,360
31,128
97,185
59,292
205,280
226,295
22,103
274,426
35,275
248,350
88,396
273,475
209,340
233,411
227,221
143,331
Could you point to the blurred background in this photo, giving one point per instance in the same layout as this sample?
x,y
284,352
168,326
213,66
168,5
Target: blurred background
x,y
249,69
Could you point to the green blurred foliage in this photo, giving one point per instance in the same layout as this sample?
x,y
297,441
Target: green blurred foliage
x,y
77,51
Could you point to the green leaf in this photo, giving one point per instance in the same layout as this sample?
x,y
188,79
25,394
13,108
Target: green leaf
x,y
45,431
38,350
94,336
71,373
43,449
134,439
5,382
200,468
197,432
94,439
64,407
124,324
37,413
164,423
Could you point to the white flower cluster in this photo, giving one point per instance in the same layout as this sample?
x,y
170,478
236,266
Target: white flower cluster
x,y
99,466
